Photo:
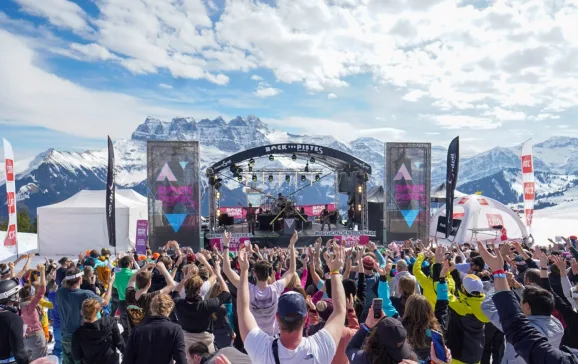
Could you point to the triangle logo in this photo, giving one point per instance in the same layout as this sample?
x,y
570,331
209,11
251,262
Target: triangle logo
x,y
183,164
418,164
290,223
403,173
176,220
410,216
166,173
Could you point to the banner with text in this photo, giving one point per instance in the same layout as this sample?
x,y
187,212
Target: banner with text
x,y
110,197
408,185
528,181
310,210
11,240
236,240
174,193
141,236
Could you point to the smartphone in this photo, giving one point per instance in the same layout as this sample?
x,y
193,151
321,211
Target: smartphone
x,y
439,345
377,305
558,239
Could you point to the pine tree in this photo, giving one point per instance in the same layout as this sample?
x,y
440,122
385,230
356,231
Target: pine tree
x,y
24,222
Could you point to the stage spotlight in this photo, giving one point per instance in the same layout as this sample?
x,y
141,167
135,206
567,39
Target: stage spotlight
x,y
307,168
270,178
239,170
218,195
218,212
254,177
251,161
271,157
212,181
365,177
359,189
294,157
287,178
312,160
250,168
240,178
303,178
218,185
358,207
317,178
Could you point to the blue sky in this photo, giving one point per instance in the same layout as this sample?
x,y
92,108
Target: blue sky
x,y
494,73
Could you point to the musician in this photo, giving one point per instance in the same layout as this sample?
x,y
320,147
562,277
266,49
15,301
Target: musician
x,y
351,217
325,218
250,215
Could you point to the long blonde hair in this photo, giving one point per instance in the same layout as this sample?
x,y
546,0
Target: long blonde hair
x,y
418,318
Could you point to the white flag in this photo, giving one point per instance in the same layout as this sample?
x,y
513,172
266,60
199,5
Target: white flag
x,y
10,241
528,181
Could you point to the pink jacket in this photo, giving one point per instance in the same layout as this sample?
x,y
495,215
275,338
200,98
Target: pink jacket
x,y
30,314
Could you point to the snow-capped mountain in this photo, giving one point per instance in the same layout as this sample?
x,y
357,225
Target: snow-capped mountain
x,y
53,175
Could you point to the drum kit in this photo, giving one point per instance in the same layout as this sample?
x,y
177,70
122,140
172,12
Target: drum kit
x,y
282,205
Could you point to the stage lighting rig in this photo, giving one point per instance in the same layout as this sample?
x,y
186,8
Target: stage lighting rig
x,y
254,177
287,178
251,161
240,178
271,157
303,178
317,178
270,178
312,160
307,168
294,157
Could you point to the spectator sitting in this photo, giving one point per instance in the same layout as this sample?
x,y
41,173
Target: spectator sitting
x,y
198,353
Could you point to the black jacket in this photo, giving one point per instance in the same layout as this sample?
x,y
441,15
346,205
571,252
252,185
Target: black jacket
x,y
156,341
528,342
565,310
12,338
97,342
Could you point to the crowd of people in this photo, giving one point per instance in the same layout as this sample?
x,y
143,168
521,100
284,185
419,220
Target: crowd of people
x,y
414,302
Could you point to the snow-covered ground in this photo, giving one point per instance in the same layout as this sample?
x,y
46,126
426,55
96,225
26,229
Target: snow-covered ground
x,y
26,242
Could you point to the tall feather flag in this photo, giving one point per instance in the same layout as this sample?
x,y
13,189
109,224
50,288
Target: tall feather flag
x,y
110,197
11,239
453,163
528,181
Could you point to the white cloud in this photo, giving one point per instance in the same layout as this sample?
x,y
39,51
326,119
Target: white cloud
x,y
385,132
92,52
256,78
331,96
267,91
62,13
165,86
462,122
58,104
414,95
505,115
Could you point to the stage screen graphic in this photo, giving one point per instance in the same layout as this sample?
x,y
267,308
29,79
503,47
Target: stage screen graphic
x,y
173,193
407,180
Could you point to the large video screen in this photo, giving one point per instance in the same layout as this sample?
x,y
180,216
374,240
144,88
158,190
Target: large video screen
x,y
408,182
173,193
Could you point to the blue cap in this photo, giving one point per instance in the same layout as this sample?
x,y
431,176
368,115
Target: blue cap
x,y
291,307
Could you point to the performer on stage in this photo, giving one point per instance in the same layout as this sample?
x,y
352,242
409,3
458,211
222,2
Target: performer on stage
x,y
325,218
250,215
351,217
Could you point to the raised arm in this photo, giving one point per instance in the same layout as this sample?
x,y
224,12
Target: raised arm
x,y
25,268
334,324
246,320
229,272
288,276
168,278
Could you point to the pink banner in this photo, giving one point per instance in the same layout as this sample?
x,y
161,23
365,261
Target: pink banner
x,y
310,210
233,246
349,241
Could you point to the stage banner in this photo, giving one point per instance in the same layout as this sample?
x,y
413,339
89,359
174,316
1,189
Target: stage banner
x,y
110,197
236,240
11,239
408,185
528,181
309,210
453,163
173,193
349,241
141,236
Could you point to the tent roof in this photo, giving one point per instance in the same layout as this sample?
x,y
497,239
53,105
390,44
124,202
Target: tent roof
x,y
95,199
376,194
131,194
439,192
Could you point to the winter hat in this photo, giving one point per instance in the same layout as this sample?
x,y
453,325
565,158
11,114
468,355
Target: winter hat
x,y
368,263
156,256
473,284
325,308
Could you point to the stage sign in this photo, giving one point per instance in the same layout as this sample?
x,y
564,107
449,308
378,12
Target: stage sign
x,y
309,210
408,185
236,240
141,236
345,233
173,193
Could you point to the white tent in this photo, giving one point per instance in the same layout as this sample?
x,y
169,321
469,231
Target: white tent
x,y
480,216
79,223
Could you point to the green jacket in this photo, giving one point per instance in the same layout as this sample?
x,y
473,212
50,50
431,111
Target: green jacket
x,y
121,282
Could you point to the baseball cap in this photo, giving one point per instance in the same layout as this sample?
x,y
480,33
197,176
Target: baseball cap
x,y
392,335
291,306
368,263
473,284
63,260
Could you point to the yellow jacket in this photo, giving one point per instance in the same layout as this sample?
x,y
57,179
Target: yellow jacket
x,y
426,282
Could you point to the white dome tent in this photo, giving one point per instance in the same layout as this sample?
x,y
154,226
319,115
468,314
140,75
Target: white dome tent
x,y
480,215
79,223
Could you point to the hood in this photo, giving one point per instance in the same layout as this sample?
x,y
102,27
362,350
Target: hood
x,y
475,304
549,326
99,330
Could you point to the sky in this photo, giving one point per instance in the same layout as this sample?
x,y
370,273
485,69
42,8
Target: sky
x,y
494,72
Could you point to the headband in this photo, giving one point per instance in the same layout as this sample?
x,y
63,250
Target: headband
x,y
74,276
5,271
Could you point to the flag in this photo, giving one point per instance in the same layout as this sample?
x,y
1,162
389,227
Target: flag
x,y
11,240
528,181
110,197
451,182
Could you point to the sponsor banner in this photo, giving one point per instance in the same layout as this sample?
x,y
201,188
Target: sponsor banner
x,y
528,181
142,227
236,241
442,221
483,202
463,201
310,210
110,197
174,193
234,235
408,182
10,240
351,240
453,162
494,220
345,233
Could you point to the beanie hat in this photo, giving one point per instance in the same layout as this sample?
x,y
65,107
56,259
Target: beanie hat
x,y
368,263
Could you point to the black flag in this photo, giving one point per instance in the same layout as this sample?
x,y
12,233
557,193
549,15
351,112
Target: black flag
x,y
110,197
451,181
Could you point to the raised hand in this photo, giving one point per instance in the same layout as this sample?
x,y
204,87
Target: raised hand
x,y
218,268
243,260
495,262
574,265
372,246
349,304
226,238
445,269
336,260
560,262
542,257
440,254
293,240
